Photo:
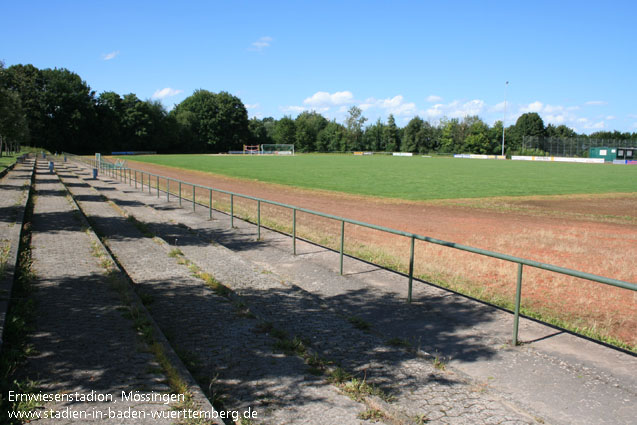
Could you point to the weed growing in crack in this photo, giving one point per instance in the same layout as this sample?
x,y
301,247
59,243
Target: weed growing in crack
x,y
359,323
373,415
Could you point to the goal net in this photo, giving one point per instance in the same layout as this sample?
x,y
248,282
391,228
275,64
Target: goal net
x,y
277,149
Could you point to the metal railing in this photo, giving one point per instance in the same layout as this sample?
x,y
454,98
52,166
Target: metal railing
x,y
132,175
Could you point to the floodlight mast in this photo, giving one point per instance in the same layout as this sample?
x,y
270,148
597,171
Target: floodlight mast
x,y
505,115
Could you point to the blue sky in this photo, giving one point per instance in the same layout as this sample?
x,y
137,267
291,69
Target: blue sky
x,y
573,62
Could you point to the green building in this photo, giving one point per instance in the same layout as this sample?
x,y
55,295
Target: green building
x,y
609,154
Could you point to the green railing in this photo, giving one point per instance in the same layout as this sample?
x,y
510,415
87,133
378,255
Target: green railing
x,y
132,176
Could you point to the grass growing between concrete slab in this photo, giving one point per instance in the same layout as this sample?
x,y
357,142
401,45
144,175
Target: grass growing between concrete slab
x,y
5,247
18,324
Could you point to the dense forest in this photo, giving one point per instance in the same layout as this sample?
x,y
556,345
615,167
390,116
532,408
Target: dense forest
x,y
57,110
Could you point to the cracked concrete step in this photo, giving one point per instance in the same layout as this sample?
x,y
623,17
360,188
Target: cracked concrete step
x,y
331,335
223,346
82,341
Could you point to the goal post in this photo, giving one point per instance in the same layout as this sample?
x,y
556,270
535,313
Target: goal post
x,y
251,150
277,149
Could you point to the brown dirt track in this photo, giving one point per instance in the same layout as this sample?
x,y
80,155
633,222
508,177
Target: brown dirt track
x,y
591,233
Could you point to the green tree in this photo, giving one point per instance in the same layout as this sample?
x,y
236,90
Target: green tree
x,y
285,131
308,125
529,124
392,135
258,132
477,141
354,124
373,138
331,138
451,136
559,131
13,122
27,82
69,112
220,120
418,136
110,110
495,138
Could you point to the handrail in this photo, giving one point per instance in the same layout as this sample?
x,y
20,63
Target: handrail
x,y
413,236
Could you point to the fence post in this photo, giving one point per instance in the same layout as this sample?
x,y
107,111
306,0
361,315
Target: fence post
x,y
150,184
518,296
258,220
294,231
209,204
167,190
193,197
180,193
342,243
141,174
411,269
231,211
157,186
135,179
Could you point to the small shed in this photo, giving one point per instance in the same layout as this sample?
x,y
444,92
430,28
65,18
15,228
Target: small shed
x,y
609,154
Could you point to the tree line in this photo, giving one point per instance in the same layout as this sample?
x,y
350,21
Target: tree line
x,y
55,109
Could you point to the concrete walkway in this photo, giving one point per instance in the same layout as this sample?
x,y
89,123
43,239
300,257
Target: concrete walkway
x,y
233,356
554,377
14,191
86,350
418,390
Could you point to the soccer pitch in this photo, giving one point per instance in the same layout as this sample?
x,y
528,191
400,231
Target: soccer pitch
x,y
413,178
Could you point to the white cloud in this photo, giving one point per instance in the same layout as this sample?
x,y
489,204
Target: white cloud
x,y
456,109
532,107
111,55
261,44
252,105
596,102
395,105
611,117
166,92
322,98
433,98
294,109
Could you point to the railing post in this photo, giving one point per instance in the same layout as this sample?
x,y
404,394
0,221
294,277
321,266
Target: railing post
x,y
294,231
342,243
231,211
258,220
157,186
209,204
180,193
167,189
518,296
193,197
135,179
141,174
411,268
150,184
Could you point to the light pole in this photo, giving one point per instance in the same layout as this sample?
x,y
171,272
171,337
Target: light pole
x,y
505,115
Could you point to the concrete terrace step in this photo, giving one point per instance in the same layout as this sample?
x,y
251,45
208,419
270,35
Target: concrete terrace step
x,y
555,376
419,389
83,345
14,194
223,344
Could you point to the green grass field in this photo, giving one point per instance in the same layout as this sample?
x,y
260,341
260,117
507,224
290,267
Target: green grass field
x,y
414,178
7,160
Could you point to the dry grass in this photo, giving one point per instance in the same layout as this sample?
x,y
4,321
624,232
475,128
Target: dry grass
x,y
591,308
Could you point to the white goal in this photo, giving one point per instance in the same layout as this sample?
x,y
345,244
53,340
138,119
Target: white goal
x,y
277,149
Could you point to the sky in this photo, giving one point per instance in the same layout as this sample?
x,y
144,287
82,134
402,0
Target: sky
x,y
573,62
